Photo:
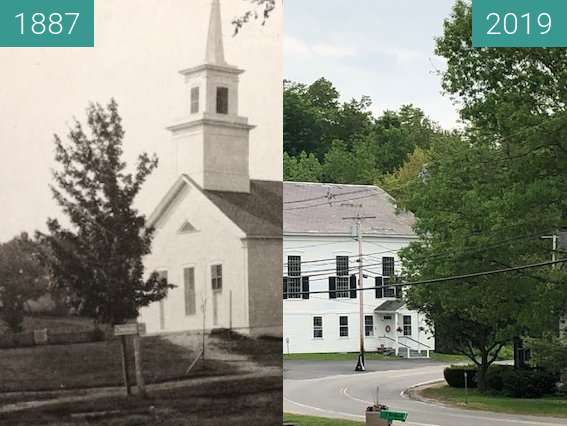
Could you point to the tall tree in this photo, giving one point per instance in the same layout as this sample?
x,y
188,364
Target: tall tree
x,y
463,223
99,257
22,278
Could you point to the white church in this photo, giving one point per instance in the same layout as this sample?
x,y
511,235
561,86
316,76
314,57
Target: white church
x,y
218,232
321,255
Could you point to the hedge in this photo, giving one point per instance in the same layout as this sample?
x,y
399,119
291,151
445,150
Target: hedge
x,y
22,340
455,376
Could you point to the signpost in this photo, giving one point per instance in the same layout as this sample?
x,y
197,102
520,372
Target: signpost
x,y
134,329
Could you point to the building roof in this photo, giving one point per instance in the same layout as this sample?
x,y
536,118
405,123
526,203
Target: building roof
x,y
390,306
258,213
319,208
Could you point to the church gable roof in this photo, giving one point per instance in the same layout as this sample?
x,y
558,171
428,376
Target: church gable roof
x,y
257,214
320,209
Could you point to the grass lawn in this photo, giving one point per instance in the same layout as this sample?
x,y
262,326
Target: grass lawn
x,y
97,364
547,406
317,421
449,359
252,402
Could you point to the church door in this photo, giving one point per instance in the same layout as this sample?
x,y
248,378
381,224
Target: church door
x,y
216,282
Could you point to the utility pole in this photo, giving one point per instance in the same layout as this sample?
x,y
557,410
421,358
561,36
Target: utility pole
x,y
555,240
360,365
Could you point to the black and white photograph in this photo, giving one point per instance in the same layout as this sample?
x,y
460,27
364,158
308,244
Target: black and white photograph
x,y
142,234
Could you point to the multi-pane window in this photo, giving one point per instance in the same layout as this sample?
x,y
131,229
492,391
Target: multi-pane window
x,y
388,272
222,100
294,287
407,325
294,277
343,326
369,325
317,327
189,283
343,287
294,266
388,266
194,100
342,266
216,277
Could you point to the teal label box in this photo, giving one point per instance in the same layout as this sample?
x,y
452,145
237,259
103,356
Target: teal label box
x,y
46,23
519,23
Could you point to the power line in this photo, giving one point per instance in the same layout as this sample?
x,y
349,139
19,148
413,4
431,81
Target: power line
x,y
330,202
443,279
328,196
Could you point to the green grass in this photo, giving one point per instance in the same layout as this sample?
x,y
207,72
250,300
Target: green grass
x,y
338,357
317,421
251,402
42,368
449,359
547,406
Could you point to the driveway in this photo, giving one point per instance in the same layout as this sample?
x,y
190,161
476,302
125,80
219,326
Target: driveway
x,y
332,389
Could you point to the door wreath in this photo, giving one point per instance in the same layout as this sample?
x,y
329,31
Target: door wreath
x,y
388,329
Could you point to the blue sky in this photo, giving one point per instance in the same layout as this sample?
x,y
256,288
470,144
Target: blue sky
x,y
380,48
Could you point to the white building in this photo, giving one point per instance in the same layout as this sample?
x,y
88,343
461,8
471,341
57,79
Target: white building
x,y
218,232
321,255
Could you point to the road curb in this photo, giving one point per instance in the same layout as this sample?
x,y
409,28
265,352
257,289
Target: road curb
x,y
410,393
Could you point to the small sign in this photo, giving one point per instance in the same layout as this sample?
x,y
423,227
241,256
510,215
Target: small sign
x,y
400,416
128,329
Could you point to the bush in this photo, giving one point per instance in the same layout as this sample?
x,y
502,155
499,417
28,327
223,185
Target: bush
x,y
529,383
455,376
496,375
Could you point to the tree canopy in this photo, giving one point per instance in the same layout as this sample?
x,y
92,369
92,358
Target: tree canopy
x,y
349,142
23,277
100,255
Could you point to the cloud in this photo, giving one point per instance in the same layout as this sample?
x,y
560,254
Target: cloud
x,y
298,47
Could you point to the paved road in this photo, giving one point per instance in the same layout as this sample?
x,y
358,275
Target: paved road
x,y
331,389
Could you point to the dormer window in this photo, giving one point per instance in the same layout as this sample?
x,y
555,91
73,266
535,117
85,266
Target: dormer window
x,y
194,100
222,100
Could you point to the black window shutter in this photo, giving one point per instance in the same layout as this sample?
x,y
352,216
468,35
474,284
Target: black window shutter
x,y
305,287
332,287
353,286
285,287
379,289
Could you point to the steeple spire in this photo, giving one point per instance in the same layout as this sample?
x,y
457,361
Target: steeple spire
x,y
215,47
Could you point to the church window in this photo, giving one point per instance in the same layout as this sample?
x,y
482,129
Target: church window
x,y
222,100
189,282
216,277
194,100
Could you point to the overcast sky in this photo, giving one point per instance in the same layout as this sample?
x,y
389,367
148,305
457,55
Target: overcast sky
x,y
380,48
138,53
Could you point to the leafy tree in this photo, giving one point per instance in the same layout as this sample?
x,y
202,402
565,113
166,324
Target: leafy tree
x,y
260,9
303,168
397,184
23,278
464,226
356,166
99,257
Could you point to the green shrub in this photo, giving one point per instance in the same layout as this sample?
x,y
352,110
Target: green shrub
x,y
529,383
496,375
455,376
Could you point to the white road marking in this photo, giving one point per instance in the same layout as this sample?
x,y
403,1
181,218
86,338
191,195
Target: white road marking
x,y
309,407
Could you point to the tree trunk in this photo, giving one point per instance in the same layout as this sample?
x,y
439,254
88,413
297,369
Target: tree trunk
x,y
482,370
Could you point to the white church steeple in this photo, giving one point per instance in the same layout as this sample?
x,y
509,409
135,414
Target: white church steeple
x,y
213,140
215,45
